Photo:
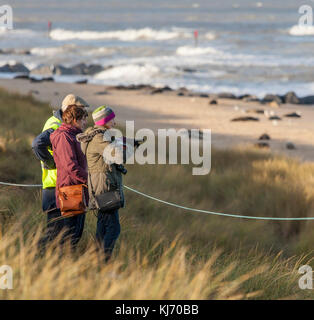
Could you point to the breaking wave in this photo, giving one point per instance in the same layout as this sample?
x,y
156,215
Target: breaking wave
x,y
194,51
123,35
129,71
298,30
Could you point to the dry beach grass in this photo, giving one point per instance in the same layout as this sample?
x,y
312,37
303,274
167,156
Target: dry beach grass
x,y
163,252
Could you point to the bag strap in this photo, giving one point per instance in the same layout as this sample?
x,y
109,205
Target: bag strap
x,y
90,178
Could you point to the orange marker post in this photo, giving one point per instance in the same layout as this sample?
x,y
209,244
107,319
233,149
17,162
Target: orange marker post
x,y
49,28
196,38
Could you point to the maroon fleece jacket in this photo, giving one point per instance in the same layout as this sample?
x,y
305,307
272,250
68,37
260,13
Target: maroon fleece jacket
x,y
70,161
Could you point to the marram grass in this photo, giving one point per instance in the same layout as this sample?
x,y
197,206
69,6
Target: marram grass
x,y
68,275
163,252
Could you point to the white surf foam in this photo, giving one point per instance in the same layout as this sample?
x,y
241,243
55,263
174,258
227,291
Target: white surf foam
x,y
129,71
194,51
70,78
10,62
31,65
299,30
124,35
47,51
99,51
210,36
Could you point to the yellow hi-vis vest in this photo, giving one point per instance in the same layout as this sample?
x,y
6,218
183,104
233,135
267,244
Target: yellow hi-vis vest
x,y
49,177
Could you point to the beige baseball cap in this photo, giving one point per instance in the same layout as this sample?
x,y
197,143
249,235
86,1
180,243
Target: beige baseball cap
x,y
73,99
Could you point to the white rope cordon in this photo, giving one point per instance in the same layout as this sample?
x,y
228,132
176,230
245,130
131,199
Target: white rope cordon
x,y
183,207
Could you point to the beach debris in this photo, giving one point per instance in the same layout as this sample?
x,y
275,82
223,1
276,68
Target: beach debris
x,y
42,70
272,97
213,101
132,87
5,68
264,136
269,113
274,104
250,98
259,111
183,90
49,79
91,69
242,96
198,94
15,51
43,79
30,92
56,93
274,118
12,68
100,93
22,76
290,146
262,145
80,68
291,97
83,81
60,70
189,70
307,100
293,115
275,122
161,90
226,95
236,108
245,119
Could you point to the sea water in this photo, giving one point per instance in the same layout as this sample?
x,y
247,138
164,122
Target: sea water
x,y
244,46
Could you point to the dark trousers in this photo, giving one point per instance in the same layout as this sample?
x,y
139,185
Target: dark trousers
x,y
54,227
72,227
54,219
108,231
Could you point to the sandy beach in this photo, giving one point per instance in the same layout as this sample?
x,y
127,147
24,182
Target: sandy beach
x,y
168,110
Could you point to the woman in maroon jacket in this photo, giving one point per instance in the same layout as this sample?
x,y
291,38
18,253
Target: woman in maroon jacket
x,y
71,164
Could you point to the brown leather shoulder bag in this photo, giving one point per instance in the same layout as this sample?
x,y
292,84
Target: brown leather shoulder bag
x,y
72,200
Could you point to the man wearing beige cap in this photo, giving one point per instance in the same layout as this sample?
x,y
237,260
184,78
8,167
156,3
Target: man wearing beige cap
x,y
43,151
72,99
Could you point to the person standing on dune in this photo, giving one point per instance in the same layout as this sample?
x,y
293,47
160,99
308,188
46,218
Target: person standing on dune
x,y
104,176
42,149
71,167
